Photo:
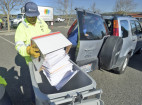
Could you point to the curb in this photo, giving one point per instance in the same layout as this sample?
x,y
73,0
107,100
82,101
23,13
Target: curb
x,y
7,33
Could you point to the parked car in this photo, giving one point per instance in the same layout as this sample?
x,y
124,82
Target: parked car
x,y
5,24
59,19
117,25
95,48
18,20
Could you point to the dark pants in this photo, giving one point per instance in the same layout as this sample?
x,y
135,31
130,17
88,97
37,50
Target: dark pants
x,y
5,100
72,53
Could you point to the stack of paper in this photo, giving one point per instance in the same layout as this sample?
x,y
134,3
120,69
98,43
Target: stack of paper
x,y
58,69
52,58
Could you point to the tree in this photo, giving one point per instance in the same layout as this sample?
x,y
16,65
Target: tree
x,y
6,6
124,6
94,9
63,6
71,13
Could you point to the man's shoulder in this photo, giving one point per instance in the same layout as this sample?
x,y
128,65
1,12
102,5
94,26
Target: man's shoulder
x,y
21,26
40,20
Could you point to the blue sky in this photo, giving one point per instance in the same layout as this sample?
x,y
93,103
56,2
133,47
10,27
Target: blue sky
x,y
103,5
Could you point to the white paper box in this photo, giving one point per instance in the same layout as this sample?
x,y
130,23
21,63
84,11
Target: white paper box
x,y
51,42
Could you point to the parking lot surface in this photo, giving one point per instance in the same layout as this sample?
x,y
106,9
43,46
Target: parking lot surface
x,y
125,89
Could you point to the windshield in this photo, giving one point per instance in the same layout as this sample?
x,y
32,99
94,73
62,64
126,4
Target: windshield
x,y
20,16
91,26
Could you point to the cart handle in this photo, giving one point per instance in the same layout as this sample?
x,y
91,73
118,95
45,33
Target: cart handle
x,y
96,92
70,99
83,95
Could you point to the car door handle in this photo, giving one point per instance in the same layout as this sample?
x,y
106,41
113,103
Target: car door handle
x,y
133,40
89,49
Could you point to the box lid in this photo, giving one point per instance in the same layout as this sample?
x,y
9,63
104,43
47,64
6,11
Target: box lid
x,y
47,44
50,42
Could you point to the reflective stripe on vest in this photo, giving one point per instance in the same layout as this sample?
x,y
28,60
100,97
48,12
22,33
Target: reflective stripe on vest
x,y
19,44
25,24
39,20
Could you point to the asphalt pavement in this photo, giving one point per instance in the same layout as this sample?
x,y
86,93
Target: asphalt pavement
x,y
125,89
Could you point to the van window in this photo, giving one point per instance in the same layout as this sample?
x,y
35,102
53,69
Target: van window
x,y
124,28
19,16
133,27
109,23
140,19
138,28
91,26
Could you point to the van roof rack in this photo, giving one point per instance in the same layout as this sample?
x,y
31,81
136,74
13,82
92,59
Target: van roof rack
x,y
116,15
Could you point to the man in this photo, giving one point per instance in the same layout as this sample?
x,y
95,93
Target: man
x,y
31,26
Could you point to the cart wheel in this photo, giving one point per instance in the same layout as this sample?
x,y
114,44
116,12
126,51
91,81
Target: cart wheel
x,y
122,69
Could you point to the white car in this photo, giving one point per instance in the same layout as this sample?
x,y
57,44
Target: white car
x,y
18,20
60,20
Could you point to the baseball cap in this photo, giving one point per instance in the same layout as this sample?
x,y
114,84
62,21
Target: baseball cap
x,y
31,9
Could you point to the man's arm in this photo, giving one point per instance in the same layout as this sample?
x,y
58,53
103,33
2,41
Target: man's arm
x,y
20,38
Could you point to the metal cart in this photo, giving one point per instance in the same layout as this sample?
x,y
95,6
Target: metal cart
x,y
76,92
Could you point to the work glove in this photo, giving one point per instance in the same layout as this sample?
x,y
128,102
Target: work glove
x,y
33,51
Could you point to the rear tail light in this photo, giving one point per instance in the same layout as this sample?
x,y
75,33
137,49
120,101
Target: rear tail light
x,y
115,28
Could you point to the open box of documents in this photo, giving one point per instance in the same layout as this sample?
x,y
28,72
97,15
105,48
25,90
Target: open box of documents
x,y
54,60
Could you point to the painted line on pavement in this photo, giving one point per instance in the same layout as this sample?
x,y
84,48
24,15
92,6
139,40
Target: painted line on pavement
x,y
63,26
7,41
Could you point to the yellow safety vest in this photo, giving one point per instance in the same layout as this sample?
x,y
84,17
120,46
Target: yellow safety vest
x,y
2,81
1,21
25,32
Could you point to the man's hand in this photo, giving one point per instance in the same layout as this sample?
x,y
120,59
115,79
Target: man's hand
x,y
33,51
